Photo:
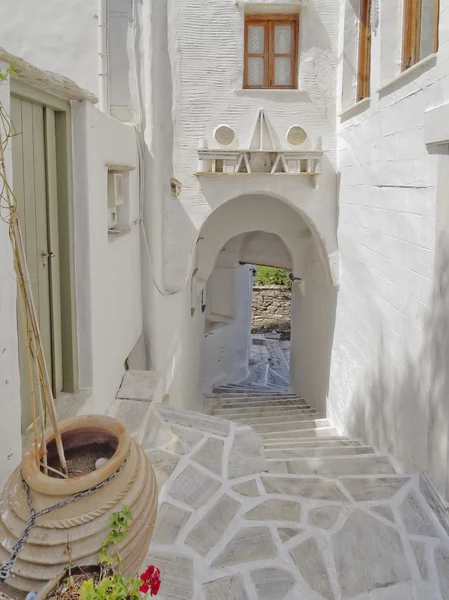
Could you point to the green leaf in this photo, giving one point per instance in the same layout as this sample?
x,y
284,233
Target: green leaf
x,y
87,590
104,558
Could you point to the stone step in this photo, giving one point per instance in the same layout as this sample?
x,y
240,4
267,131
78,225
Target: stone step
x,y
249,403
279,418
259,402
264,412
235,407
277,378
246,389
330,442
289,453
299,434
255,408
290,426
332,467
242,396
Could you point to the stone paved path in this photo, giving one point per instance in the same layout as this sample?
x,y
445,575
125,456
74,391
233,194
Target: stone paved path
x,y
269,362
263,500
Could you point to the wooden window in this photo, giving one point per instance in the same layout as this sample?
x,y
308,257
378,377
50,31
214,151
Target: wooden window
x,y
364,53
271,51
420,30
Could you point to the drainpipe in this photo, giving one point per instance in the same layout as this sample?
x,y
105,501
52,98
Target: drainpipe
x,y
103,71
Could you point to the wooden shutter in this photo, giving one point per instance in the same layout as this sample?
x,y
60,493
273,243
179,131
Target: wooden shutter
x,y
271,51
364,54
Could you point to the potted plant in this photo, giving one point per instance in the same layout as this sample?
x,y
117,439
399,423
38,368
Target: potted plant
x,y
104,581
73,511
75,474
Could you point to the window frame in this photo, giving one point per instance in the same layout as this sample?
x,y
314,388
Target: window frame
x,y
364,52
411,32
269,21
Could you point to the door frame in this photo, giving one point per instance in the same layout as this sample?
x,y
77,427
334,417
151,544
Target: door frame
x,y
63,126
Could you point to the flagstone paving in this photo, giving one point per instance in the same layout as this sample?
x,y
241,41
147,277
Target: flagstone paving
x,y
324,529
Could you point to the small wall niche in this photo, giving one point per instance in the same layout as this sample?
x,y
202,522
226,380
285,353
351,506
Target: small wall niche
x,y
118,214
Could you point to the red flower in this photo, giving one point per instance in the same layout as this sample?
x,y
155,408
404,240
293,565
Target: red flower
x,y
151,581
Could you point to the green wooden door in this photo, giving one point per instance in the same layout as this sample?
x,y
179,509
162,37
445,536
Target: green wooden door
x,y
35,188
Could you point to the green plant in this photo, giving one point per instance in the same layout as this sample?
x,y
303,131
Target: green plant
x,y
118,526
272,276
114,586
4,74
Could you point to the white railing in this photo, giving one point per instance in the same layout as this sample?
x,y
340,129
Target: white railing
x,y
257,162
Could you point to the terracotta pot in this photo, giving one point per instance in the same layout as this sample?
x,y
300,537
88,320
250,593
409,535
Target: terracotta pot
x,y
79,528
49,589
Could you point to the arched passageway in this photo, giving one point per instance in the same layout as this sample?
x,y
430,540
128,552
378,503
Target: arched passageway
x,y
258,229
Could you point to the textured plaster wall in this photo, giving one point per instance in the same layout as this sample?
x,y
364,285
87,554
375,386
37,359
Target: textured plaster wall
x,y
381,363
108,270
205,44
195,54
225,352
313,319
10,442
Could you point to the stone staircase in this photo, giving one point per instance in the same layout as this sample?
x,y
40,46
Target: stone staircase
x,y
263,500
303,447
297,439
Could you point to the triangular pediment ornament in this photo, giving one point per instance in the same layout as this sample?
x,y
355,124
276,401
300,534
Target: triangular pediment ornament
x,y
263,137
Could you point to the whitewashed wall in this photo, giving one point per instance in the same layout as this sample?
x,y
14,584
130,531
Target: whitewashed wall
x,y
184,84
205,48
195,53
108,269
225,352
10,441
380,377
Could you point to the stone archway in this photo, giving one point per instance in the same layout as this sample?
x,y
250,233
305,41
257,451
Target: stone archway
x,y
313,295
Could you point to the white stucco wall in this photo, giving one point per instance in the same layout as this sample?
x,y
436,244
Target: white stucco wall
x,y
380,378
312,327
10,441
188,84
108,270
199,85
225,352
207,75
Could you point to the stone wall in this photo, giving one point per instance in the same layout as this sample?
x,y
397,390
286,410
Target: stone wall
x,y
271,310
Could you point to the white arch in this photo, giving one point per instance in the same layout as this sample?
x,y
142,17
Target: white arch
x,y
262,212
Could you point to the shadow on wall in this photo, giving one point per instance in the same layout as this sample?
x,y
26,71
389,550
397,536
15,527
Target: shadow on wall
x,y
395,411
163,206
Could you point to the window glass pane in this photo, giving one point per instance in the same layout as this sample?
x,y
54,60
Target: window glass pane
x,y
427,19
256,39
282,71
256,71
283,39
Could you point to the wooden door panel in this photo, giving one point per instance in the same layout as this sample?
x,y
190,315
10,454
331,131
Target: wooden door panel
x,y
54,259
41,231
19,193
30,190
27,204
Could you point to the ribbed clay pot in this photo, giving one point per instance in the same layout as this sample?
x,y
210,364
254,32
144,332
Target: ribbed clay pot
x,y
51,587
79,528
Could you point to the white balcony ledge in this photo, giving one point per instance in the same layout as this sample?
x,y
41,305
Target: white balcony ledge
x,y
280,163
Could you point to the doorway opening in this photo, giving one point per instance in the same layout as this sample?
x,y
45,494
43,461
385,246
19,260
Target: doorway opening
x,y
269,360
262,230
41,158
